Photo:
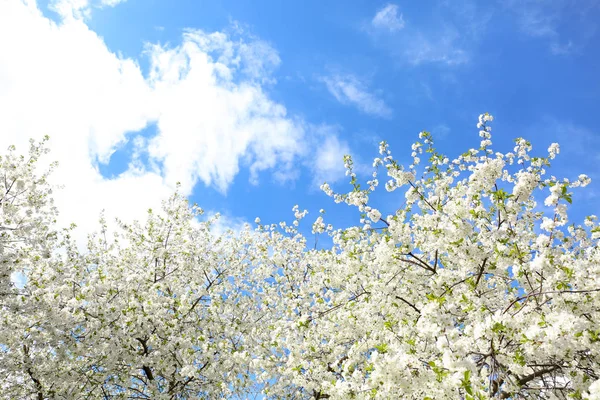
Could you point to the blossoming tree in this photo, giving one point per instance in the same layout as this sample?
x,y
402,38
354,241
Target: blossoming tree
x,y
27,215
162,309
469,290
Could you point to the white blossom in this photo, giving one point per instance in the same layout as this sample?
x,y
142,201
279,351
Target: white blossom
x,y
374,215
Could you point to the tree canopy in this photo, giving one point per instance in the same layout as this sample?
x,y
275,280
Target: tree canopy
x,y
469,289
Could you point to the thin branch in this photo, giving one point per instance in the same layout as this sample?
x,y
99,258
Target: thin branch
x,y
422,197
409,304
480,272
549,292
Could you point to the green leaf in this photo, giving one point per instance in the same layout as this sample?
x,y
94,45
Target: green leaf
x,y
382,348
498,327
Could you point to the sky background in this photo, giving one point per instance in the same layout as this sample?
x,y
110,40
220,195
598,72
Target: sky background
x,y
251,105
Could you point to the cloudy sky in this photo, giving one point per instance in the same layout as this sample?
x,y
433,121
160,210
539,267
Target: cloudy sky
x,y
251,105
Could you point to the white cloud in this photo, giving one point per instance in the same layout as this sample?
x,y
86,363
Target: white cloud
x,y
71,8
440,131
538,22
538,18
562,49
388,18
348,89
68,85
547,19
452,31
327,164
206,97
210,121
79,8
111,3
442,48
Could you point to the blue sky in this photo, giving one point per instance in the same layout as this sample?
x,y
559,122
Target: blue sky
x,y
252,104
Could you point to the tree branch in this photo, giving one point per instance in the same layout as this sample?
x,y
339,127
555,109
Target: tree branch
x,y
549,292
